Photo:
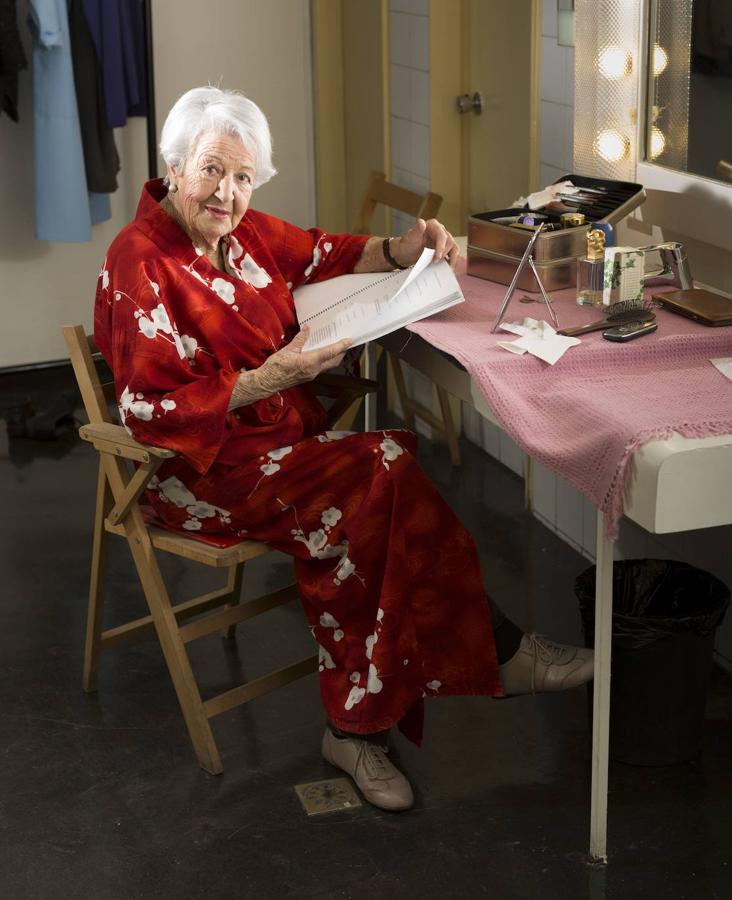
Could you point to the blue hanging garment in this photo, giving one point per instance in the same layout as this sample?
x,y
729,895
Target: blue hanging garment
x,y
64,210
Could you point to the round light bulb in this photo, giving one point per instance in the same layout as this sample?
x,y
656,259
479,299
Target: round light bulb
x,y
614,62
660,60
658,142
612,145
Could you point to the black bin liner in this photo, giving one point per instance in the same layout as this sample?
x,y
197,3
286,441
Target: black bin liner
x,y
664,617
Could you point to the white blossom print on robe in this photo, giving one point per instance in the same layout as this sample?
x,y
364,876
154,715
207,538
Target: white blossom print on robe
x,y
320,251
325,660
155,323
329,621
328,436
220,286
270,465
172,490
247,270
318,545
374,685
373,638
135,404
390,449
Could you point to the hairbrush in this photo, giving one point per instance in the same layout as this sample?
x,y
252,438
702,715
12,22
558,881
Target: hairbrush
x,y
622,313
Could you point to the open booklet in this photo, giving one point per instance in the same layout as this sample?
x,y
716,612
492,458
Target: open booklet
x,y
367,306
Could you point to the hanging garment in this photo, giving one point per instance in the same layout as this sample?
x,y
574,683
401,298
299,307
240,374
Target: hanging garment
x,y
389,578
117,28
101,159
12,58
65,211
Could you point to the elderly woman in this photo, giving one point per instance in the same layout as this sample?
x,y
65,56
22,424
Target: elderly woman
x,y
194,314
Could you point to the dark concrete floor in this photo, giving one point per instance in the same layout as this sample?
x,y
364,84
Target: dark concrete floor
x,y
101,799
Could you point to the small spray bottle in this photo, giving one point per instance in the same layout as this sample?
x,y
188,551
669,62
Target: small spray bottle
x,y
590,270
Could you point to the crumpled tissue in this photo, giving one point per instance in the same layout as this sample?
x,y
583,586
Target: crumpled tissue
x,y
539,199
538,338
724,364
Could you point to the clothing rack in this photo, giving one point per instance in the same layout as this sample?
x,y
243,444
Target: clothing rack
x,y
152,139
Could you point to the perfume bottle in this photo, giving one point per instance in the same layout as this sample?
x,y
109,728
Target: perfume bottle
x,y
590,270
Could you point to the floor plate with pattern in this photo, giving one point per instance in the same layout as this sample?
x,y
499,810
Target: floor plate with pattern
x,y
319,797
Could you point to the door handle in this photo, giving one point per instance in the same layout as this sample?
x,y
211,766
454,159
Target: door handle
x,y
465,103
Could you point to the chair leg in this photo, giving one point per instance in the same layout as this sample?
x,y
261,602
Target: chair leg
x,y
95,613
448,425
233,584
407,412
348,417
173,647
528,483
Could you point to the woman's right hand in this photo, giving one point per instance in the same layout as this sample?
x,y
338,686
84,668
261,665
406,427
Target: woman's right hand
x,y
292,365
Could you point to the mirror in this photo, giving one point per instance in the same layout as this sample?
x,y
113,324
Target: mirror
x,y
689,102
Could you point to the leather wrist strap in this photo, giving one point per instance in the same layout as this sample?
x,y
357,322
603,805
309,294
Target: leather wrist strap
x,y
388,257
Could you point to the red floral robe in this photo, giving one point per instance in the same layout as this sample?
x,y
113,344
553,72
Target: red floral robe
x,y
388,577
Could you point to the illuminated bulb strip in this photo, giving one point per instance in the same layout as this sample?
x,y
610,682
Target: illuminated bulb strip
x,y
658,142
614,62
611,145
660,60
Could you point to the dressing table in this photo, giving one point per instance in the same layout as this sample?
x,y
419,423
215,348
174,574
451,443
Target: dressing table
x,y
674,484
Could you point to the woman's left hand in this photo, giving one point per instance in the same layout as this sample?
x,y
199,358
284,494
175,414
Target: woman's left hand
x,y
431,233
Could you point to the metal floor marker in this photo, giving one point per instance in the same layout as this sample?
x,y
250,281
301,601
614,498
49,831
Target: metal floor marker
x,y
334,794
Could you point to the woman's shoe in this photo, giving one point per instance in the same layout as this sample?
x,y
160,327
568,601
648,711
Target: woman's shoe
x,y
378,779
541,665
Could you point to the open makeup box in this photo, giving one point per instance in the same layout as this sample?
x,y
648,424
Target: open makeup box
x,y
495,249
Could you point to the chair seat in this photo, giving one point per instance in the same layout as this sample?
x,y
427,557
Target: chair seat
x,y
217,550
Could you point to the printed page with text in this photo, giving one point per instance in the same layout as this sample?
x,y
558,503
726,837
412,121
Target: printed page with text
x,y
367,306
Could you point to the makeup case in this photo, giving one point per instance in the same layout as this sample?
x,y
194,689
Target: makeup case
x,y
495,249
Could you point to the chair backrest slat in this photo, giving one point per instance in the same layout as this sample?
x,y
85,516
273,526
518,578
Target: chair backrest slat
x,y
93,393
380,190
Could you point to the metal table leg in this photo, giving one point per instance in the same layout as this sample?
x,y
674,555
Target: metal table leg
x,y
601,706
369,371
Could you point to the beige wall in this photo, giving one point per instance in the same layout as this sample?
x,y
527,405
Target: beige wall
x,y
350,106
260,48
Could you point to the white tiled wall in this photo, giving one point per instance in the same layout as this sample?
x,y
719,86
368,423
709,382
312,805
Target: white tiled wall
x,y
410,99
556,115
410,130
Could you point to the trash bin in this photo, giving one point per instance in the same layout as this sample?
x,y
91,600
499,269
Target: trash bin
x,y
664,618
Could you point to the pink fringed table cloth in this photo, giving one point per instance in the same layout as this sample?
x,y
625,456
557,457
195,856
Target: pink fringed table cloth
x,y
584,417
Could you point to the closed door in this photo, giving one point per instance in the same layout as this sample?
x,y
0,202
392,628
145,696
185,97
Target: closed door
x,y
483,158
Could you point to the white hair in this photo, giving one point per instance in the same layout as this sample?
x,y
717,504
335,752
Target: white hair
x,y
205,109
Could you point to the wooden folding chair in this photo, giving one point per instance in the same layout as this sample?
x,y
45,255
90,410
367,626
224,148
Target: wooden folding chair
x,y
379,190
118,512
425,206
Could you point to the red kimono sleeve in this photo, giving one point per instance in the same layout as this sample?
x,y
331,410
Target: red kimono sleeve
x,y
308,256
162,400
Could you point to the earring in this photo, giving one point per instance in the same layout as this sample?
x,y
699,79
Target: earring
x,y
173,188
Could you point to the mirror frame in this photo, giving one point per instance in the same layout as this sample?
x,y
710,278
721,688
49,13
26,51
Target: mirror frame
x,y
702,204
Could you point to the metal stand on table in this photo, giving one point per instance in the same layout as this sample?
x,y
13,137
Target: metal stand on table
x,y
526,258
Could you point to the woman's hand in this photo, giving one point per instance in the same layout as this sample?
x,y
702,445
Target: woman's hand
x,y
406,250
292,365
285,368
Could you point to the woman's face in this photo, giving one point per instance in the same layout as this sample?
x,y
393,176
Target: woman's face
x,y
214,188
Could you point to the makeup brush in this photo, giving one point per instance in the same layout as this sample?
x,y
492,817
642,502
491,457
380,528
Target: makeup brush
x,y
622,313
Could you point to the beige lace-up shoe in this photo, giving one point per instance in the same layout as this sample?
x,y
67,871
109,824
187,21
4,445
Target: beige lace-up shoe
x,y
378,779
542,665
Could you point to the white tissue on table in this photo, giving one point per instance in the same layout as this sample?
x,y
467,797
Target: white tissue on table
x,y
539,199
724,364
538,338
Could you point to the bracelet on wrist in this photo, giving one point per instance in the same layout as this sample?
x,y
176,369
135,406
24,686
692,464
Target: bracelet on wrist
x,y
388,257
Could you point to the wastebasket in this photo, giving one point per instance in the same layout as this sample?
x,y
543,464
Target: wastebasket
x,y
664,618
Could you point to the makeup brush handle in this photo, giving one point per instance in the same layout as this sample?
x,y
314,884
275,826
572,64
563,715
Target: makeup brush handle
x,y
585,329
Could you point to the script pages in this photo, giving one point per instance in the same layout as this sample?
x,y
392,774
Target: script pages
x,y
367,306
